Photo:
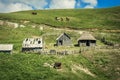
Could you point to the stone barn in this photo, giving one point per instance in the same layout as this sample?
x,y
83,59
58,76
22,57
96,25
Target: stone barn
x,y
86,39
63,40
6,48
32,44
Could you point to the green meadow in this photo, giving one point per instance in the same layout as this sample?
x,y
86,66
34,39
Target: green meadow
x,y
78,18
99,64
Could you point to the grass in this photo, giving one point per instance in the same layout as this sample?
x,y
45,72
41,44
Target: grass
x,y
79,18
16,36
107,61
31,67
110,37
20,66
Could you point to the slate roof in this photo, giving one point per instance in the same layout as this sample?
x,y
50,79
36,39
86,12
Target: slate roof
x,y
32,43
63,35
6,47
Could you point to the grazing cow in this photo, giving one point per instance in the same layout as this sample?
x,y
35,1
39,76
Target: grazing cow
x,y
67,19
34,13
58,18
61,19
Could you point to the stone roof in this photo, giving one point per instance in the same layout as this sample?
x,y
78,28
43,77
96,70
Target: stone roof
x,y
62,35
86,36
6,47
32,43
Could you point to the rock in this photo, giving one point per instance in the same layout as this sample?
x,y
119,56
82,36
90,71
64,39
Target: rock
x,y
22,26
33,26
26,22
47,65
11,24
1,22
41,28
57,65
16,25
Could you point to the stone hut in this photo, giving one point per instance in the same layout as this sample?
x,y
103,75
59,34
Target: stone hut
x,y
32,44
86,39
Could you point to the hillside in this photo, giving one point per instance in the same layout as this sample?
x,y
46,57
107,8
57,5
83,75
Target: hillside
x,y
108,18
97,63
32,66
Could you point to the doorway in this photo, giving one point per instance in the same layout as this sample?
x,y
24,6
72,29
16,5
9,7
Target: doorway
x,y
87,43
60,42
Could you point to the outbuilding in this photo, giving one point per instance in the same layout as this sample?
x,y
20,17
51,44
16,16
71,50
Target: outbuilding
x,y
32,44
6,48
63,40
86,39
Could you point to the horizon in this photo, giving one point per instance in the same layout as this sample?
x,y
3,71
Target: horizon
x,y
7,6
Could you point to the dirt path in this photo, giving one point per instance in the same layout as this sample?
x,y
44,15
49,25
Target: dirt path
x,y
75,68
65,29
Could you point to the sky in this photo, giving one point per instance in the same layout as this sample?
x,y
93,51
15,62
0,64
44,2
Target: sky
x,y
7,6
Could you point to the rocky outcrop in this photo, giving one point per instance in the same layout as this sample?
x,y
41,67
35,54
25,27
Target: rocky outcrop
x,y
10,24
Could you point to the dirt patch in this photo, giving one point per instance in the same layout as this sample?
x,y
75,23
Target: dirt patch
x,y
47,65
75,68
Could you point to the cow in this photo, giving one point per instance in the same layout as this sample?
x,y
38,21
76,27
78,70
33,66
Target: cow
x,y
34,13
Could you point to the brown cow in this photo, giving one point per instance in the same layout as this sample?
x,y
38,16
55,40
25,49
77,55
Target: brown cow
x,y
34,13
67,19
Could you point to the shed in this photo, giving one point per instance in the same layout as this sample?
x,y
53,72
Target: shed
x,y
86,39
63,40
6,48
32,44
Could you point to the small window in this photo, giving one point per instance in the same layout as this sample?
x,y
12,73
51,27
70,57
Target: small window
x,y
27,39
39,42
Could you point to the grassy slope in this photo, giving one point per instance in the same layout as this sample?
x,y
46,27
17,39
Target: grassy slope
x,y
79,18
106,61
17,35
30,66
20,66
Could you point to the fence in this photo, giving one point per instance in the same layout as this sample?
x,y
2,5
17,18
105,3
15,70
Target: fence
x,y
77,51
